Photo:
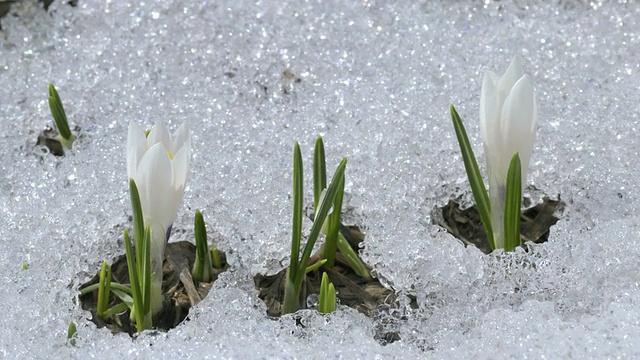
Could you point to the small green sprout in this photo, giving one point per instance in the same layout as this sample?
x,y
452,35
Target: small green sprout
x,y
202,267
513,190
104,290
215,257
66,138
327,301
24,266
71,333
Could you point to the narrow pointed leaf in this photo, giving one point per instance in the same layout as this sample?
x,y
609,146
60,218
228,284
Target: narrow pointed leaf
x,y
116,309
138,220
59,116
319,172
316,265
512,205
125,297
323,210
475,178
327,299
71,330
146,272
333,227
135,285
102,288
352,258
215,257
202,268
296,230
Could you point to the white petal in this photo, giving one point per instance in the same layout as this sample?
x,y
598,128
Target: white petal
x,y
154,185
160,134
519,113
488,108
180,137
180,165
136,148
513,74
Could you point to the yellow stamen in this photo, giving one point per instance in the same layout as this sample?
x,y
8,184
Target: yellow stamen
x,y
170,155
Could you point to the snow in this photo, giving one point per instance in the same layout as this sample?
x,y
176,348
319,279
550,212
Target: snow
x,y
376,80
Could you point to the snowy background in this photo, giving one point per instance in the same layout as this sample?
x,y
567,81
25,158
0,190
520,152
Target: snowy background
x,y
376,80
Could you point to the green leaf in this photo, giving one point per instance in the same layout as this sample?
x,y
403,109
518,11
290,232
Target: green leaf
x,y
202,268
319,172
327,300
290,303
323,210
215,257
333,227
512,205
71,333
113,286
315,266
352,258
59,116
475,178
104,289
125,297
138,220
135,284
145,284
116,309
296,230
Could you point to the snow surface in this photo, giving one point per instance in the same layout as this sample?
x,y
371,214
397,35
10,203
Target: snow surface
x,y
376,80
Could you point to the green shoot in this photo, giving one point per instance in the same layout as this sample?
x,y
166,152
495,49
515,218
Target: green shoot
x,y
512,205
315,266
334,239
297,268
352,258
71,333
104,289
475,178
319,172
296,235
202,268
333,226
327,301
113,287
60,118
215,257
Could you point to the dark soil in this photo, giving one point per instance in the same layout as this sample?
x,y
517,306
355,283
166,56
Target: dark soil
x,y
368,296
465,224
181,291
48,138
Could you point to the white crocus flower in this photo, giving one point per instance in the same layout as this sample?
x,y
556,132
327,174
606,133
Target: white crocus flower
x,y
158,163
507,125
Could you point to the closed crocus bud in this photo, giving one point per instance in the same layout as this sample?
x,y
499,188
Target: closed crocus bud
x,y
507,125
158,162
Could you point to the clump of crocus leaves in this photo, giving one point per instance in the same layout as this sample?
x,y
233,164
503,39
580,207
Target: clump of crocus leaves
x,y
327,211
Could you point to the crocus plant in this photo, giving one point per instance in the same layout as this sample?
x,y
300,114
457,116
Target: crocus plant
x,y
507,127
158,162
